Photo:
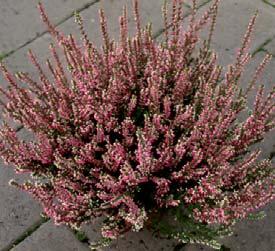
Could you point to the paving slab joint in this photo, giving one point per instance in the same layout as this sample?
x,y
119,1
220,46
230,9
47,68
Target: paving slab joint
x,y
187,5
261,47
160,31
29,231
272,154
79,10
81,236
5,55
18,128
268,3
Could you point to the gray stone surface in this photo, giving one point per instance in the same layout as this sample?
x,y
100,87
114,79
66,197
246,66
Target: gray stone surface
x,y
270,46
20,22
231,24
254,235
267,79
49,237
232,21
18,211
248,235
113,9
269,4
140,241
149,12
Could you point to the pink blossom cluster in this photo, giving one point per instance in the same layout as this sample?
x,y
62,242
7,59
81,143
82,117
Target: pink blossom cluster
x,y
139,125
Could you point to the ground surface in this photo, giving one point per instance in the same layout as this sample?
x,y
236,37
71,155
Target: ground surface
x,y
21,227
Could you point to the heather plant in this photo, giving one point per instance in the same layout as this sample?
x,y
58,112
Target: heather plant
x,y
139,130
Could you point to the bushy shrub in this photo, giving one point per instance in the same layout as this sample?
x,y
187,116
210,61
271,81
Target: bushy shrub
x,y
138,127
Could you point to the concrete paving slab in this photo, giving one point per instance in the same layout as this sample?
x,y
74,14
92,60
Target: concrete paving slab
x,y
270,46
15,218
20,22
268,80
18,62
254,235
18,211
232,20
25,13
231,24
141,241
51,238
269,3
227,39
149,11
248,235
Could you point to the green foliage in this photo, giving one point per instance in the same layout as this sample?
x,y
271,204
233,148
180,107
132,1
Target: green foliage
x,y
103,242
3,55
186,229
256,216
81,236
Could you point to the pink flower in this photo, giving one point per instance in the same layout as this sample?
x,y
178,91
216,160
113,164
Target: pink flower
x,y
137,126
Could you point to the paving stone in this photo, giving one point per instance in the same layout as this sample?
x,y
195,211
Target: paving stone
x,y
239,16
18,211
269,4
150,12
248,235
138,241
258,235
270,47
232,21
189,3
254,235
50,237
227,39
19,62
251,236
268,80
25,13
20,21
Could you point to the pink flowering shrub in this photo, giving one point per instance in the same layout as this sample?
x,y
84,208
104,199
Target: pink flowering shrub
x,y
140,127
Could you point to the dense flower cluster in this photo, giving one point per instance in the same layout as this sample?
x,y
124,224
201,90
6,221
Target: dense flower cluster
x,y
140,125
